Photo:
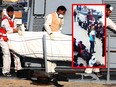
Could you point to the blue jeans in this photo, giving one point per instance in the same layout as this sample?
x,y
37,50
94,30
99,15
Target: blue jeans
x,y
92,45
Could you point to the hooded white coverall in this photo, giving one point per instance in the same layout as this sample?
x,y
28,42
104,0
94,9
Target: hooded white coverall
x,y
91,63
5,47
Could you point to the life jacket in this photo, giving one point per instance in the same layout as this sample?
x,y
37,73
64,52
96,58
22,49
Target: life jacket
x,y
3,31
3,34
11,23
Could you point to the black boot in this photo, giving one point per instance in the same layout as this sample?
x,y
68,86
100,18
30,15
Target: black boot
x,y
25,73
55,82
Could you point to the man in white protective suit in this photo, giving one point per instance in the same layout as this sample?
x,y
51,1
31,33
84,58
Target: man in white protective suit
x,y
8,25
53,24
92,61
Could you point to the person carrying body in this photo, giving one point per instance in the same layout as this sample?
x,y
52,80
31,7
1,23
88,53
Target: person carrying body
x,y
8,25
53,24
54,21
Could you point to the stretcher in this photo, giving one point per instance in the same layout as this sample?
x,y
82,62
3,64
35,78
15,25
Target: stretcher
x,y
31,45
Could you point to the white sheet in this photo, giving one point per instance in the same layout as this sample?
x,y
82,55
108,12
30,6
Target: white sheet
x,y
30,44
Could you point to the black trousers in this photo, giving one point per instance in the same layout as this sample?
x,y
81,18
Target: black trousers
x,y
92,45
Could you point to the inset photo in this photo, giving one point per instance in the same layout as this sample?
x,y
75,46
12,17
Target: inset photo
x,y
89,36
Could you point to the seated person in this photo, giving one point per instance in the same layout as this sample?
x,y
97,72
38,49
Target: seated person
x,y
86,55
80,47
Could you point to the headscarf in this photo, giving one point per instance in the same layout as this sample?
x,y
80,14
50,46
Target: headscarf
x,y
92,61
109,7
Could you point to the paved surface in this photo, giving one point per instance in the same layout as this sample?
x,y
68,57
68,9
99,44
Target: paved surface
x,y
81,35
28,83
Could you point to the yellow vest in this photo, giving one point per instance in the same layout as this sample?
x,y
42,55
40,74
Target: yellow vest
x,y
55,26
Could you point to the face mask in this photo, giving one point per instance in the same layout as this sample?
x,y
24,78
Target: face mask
x,y
11,16
61,16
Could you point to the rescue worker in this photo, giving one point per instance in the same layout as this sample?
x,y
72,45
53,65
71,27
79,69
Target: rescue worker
x,y
96,70
53,23
8,25
109,23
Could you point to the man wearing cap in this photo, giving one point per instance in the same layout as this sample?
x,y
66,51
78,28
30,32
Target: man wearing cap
x,y
8,25
109,23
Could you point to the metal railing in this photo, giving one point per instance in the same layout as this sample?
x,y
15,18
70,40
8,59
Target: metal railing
x,y
109,51
44,52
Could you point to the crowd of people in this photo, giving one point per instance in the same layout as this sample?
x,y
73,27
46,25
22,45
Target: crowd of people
x,y
92,22
99,28
94,29
82,52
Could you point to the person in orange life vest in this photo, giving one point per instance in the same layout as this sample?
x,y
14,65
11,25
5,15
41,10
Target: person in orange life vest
x,y
8,25
54,21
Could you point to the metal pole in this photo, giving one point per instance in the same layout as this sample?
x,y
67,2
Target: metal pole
x,y
44,52
1,2
108,61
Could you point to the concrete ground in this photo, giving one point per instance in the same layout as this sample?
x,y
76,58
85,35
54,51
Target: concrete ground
x,y
81,35
28,83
